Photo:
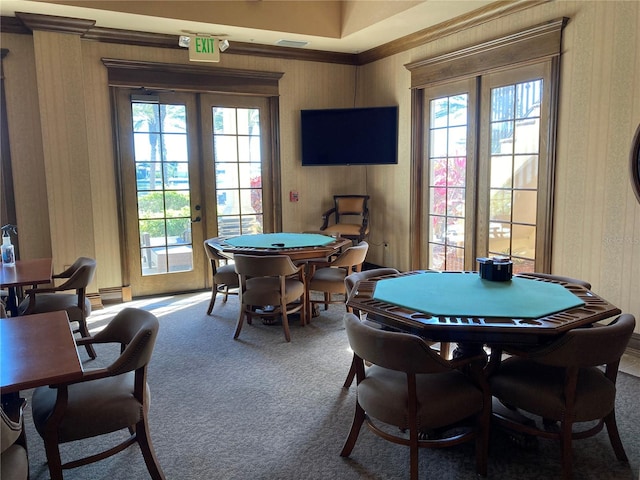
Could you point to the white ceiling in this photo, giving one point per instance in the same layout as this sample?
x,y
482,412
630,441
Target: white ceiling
x,y
424,14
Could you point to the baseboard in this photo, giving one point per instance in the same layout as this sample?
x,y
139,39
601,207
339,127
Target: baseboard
x,y
96,301
633,348
111,295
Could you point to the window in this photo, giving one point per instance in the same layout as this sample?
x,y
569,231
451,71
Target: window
x,y
484,123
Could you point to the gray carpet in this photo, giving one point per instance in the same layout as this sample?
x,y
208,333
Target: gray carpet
x,y
260,408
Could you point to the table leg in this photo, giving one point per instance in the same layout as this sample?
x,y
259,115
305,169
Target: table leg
x,y
12,302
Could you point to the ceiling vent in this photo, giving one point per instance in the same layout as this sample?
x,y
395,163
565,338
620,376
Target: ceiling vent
x,y
291,43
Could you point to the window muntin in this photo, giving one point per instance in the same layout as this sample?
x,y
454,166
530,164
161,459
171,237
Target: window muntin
x,y
161,160
238,170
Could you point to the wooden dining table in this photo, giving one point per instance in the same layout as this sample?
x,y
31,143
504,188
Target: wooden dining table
x,y
37,350
24,273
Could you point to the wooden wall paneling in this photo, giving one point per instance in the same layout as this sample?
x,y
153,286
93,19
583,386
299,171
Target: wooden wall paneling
x,y
100,158
25,142
58,59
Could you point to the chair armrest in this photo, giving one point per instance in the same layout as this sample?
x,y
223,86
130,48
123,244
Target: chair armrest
x,y
325,218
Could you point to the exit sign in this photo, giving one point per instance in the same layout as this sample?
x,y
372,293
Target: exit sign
x,y
204,49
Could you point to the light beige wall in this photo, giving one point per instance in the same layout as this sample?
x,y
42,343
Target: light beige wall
x,y
25,142
597,217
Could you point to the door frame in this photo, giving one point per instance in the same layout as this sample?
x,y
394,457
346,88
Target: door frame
x,y
196,79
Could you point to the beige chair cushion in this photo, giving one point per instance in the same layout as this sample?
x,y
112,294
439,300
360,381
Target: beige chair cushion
x,y
51,302
345,229
94,408
226,274
539,389
266,291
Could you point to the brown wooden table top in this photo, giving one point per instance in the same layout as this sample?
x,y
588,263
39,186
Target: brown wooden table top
x,y
27,272
295,253
479,329
37,350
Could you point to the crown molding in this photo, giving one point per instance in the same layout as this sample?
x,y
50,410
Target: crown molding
x,y
25,23
463,22
36,21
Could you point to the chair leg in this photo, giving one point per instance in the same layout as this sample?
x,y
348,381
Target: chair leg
x,y
285,324
351,375
240,320
566,429
54,461
413,452
144,440
614,436
358,420
84,330
214,291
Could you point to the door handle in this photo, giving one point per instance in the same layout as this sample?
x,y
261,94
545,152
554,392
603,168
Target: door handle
x,y
196,220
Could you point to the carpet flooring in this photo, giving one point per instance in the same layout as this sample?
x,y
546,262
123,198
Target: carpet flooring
x,y
260,408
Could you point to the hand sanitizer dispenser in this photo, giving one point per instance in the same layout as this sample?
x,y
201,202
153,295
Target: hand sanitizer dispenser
x,y
8,251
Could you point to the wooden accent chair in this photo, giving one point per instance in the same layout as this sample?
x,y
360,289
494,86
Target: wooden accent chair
x,y
329,276
412,387
270,280
105,400
350,217
224,278
564,382
14,462
78,307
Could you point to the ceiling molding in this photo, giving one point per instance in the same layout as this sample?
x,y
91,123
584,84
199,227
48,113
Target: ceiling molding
x,y
463,22
25,23
36,21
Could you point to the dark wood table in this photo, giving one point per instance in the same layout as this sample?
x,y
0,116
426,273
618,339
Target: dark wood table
x,y
37,350
477,329
295,253
25,273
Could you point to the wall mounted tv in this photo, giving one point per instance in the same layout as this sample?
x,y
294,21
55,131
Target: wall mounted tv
x,y
350,136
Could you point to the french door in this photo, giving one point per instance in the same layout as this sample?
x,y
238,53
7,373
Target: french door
x,y
192,166
487,174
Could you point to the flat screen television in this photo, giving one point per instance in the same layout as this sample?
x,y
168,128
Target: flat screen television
x,y
350,136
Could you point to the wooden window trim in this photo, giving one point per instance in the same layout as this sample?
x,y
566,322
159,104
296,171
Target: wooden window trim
x,y
537,44
196,78
531,45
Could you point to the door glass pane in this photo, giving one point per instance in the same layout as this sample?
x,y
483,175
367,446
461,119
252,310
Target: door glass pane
x,y
515,149
162,184
447,162
238,170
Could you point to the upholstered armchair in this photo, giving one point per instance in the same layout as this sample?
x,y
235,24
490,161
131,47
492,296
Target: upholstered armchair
x,y
411,387
349,216
104,400
571,381
14,463
224,279
328,277
50,299
270,280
